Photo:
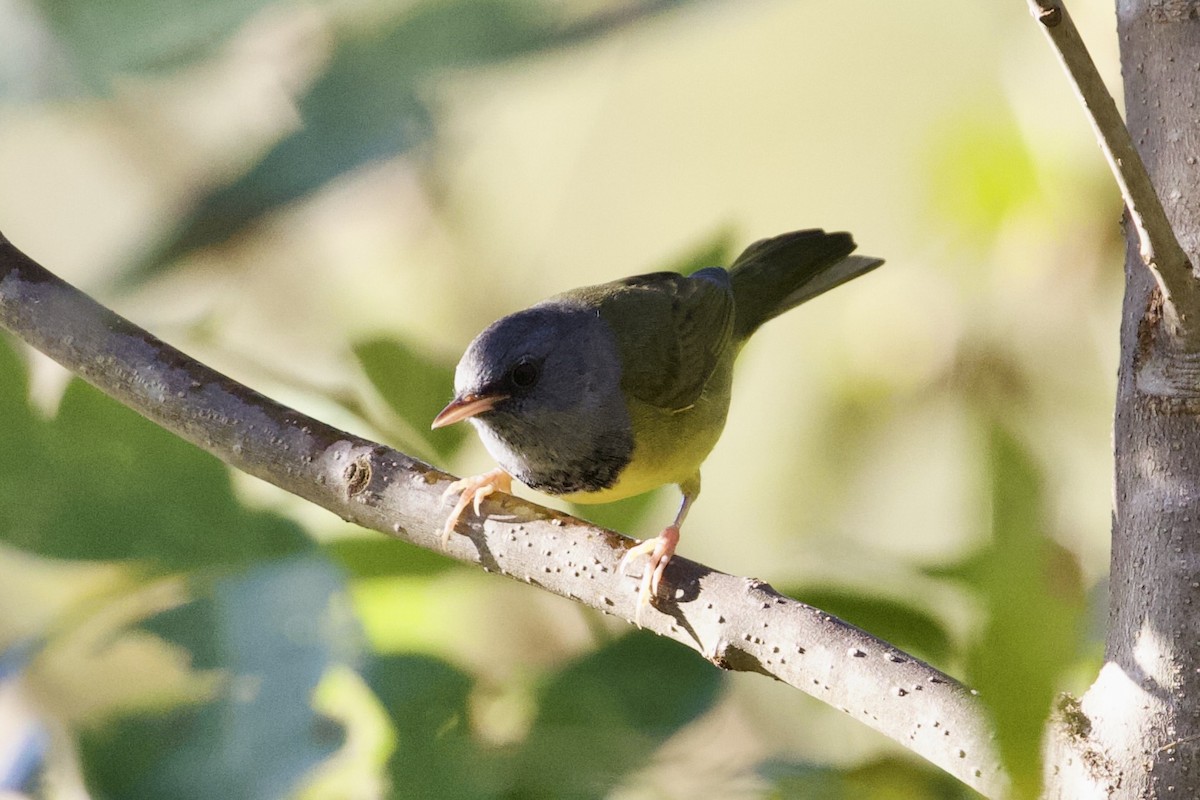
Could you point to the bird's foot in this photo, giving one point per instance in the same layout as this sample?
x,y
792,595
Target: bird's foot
x,y
471,492
658,551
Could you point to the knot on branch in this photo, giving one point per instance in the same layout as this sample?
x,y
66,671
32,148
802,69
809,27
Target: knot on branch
x,y
1167,365
728,656
357,476
1050,15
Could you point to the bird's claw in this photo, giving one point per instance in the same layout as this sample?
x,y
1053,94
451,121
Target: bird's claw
x,y
471,492
658,551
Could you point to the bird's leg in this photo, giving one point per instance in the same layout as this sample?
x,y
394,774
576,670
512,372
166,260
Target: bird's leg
x,y
660,549
471,492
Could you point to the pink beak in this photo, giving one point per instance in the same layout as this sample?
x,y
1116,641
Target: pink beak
x,y
465,407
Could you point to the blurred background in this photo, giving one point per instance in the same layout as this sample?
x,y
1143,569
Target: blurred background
x,y
326,200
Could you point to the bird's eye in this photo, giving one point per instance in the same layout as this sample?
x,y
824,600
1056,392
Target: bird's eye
x,y
524,374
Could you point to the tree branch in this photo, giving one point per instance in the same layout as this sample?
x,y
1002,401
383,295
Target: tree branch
x,y
736,623
1159,247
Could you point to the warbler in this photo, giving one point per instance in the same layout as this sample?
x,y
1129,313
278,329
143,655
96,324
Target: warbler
x,y
608,391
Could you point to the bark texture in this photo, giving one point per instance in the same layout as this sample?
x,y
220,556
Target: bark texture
x,y
1136,733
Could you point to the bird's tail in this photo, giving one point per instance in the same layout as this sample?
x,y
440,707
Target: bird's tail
x,y
777,274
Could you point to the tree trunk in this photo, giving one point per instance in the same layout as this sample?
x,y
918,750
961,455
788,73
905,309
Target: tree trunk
x,y
1136,733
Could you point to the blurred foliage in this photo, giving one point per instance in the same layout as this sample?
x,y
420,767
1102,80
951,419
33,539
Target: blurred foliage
x,y
98,482
602,717
980,172
415,387
599,719
898,622
258,612
1033,596
272,633
368,104
95,462
624,515
375,557
109,39
885,779
716,251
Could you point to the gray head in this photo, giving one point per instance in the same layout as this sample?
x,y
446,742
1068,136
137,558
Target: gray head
x,y
543,389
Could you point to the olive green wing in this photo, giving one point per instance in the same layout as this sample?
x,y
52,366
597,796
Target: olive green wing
x,y
671,331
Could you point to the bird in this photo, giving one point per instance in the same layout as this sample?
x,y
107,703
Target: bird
x,y
608,391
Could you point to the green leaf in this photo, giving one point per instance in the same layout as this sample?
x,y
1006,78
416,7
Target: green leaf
x,y
716,251
105,39
100,482
20,430
884,779
980,172
415,386
603,716
598,719
367,106
376,557
792,779
1032,590
14,382
370,105
435,755
624,516
273,632
895,621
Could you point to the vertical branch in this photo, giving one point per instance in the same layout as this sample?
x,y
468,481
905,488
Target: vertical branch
x,y
1158,246
1136,732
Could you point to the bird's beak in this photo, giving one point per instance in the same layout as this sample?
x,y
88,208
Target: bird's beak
x,y
465,407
